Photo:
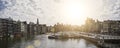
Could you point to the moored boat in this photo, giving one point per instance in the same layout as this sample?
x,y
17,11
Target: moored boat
x,y
53,37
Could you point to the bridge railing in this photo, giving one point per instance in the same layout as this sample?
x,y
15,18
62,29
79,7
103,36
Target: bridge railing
x,y
98,36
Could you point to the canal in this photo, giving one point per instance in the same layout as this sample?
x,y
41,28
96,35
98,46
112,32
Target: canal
x,y
42,41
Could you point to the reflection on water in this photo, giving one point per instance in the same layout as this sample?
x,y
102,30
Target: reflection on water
x,y
37,43
30,46
41,41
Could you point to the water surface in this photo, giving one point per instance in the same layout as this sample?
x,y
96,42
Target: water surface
x,y
42,41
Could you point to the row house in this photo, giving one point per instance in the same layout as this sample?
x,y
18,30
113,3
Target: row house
x,y
6,27
19,28
43,28
111,27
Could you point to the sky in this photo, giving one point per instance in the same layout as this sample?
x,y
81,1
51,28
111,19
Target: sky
x,y
64,11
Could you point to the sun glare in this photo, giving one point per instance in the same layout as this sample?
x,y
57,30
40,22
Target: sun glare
x,y
75,12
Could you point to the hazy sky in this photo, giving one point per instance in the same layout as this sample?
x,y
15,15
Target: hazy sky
x,y
52,11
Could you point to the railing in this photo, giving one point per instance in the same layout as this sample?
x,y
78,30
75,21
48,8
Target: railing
x,y
99,36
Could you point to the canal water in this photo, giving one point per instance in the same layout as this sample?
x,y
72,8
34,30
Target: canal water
x,y
42,41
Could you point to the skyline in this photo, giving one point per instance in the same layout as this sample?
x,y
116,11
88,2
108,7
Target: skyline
x,y
51,11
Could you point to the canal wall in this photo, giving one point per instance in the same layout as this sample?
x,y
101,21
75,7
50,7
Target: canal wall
x,y
91,40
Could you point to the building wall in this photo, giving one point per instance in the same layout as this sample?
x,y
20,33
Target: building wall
x,y
43,28
31,28
111,27
6,27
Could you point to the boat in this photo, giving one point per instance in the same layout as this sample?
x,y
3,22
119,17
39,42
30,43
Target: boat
x,y
53,37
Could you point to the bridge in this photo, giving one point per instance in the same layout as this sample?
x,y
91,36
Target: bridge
x,y
101,39
99,36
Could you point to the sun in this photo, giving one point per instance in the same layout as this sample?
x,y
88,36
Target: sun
x,y
75,13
